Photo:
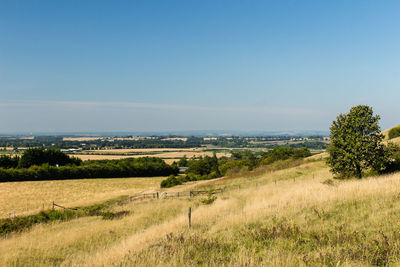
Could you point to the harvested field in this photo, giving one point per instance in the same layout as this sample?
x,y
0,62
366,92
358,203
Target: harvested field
x,y
82,139
139,150
166,155
29,197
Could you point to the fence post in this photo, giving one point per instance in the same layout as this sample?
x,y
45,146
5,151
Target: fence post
x,y
189,217
53,204
157,195
190,193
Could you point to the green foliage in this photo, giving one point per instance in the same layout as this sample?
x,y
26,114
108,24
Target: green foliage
x,y
393,164
301,153
132,167
183,162
40,156
209,200
356,143
394,132
7,161
207,166
278,153
18,224
170,182
235,166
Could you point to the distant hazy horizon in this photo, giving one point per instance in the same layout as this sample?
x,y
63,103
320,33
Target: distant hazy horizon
x,y
199,133
154,66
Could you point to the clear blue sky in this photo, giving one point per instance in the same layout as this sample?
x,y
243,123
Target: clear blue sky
x,y
189,65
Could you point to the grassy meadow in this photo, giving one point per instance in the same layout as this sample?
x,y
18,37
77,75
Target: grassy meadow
x,y
298,216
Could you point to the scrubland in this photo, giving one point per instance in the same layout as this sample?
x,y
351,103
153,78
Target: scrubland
x,y
298,216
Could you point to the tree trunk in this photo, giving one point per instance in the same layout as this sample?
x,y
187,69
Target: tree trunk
x,y
359,173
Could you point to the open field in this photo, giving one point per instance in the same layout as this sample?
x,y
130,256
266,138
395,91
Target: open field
x,y
139,150
29,197
82,139
292,217
169,157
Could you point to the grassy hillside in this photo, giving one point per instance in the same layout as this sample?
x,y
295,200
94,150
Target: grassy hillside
x,y
386,132
393,140
293,217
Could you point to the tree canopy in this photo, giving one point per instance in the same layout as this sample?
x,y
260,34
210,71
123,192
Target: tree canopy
x,y
356,143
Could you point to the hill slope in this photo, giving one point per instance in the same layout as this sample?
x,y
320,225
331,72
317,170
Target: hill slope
x,y
291,217
386,132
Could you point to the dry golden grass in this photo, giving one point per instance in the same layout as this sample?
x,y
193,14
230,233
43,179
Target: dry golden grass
x,y
319,156
100,157
386,132
226,232
139,150
395,140
29,197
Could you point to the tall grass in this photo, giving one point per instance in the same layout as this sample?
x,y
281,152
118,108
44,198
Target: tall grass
x,y
31,197
290,217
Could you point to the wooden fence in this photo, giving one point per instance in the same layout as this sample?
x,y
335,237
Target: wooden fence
x,y
166,195
160,195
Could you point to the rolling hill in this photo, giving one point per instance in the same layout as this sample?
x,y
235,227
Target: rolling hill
x,y
296,216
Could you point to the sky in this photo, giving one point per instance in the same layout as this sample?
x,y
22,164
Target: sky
x,y
81,66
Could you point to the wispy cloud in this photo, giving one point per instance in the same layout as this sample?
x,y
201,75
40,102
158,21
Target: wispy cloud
x,y
288,111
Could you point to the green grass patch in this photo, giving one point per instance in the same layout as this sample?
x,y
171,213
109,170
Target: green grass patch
x,y
21,223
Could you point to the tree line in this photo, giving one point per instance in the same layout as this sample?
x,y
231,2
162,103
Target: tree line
x,y
50,164
204,168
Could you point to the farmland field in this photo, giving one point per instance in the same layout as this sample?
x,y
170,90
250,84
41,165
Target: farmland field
x,y
168,155
29,197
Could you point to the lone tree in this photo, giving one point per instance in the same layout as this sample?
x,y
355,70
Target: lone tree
x,y
356,143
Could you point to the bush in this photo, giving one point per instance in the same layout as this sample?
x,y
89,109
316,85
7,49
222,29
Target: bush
x,y
170,182
393,164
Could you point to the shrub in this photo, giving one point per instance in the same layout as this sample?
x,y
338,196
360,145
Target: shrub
x,y
170,182
393,164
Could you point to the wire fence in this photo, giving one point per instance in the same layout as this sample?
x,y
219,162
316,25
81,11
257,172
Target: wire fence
x,y
158,195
